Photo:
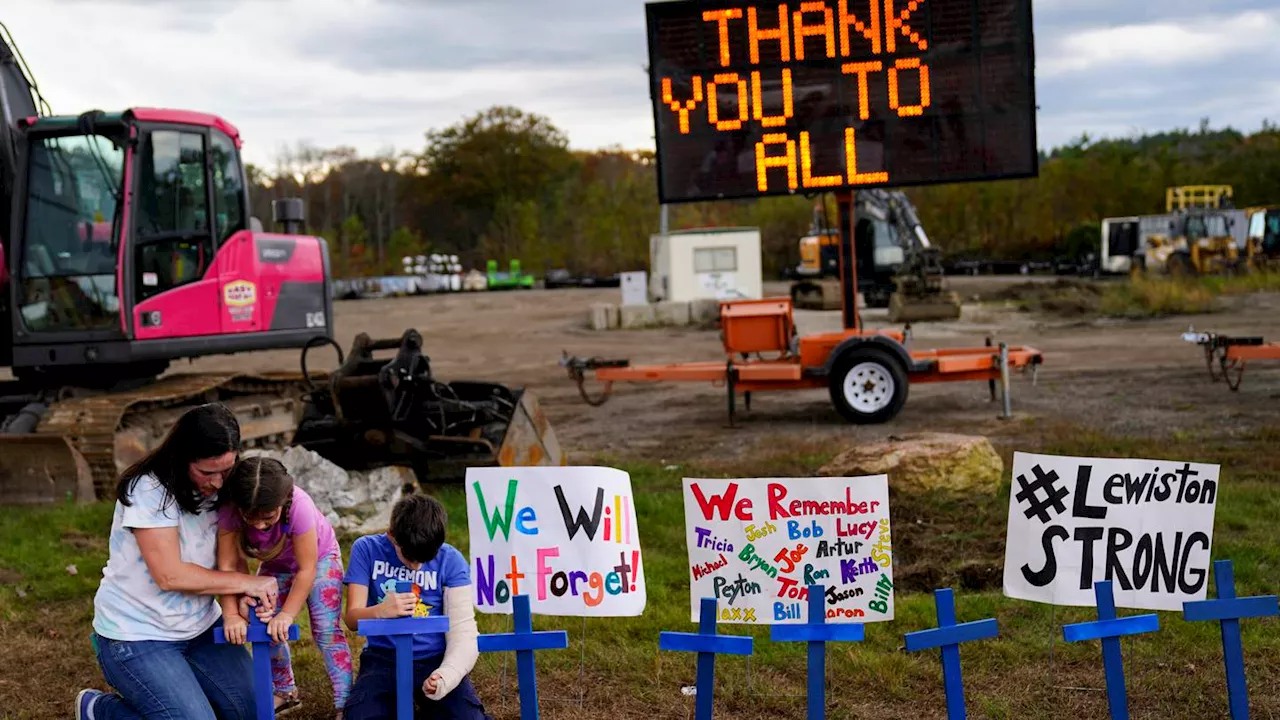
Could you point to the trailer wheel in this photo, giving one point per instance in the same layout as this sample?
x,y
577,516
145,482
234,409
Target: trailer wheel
x,y
868,386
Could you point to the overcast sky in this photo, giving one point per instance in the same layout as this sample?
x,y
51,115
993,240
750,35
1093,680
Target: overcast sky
x,y
376,74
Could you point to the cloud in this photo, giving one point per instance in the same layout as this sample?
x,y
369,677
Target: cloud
x,y
1163,44
376,74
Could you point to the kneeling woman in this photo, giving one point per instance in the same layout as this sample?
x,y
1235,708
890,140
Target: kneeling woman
x,y
156,607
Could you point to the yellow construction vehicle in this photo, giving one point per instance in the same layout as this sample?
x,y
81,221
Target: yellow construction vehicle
x,y
1200,239
897,268
1263,238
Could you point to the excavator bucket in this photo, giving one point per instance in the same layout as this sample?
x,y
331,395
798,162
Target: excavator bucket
x,y
378,412
529,439
940,306
816,295
42,469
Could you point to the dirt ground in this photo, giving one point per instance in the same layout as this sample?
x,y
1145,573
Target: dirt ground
x,y
1129,377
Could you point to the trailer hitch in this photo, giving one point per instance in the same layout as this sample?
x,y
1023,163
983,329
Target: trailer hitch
x,y
1217,355
577,368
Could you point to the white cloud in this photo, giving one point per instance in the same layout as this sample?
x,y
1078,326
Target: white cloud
x,y
1162,44
237,64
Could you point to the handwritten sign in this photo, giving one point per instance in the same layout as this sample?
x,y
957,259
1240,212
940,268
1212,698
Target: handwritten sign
x,y
756,545
565,536
762,97
1145,525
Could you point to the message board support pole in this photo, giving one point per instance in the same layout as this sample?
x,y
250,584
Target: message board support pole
x,y
817,633
263,691
1228,610
524,641
1110,629
401,632
707,644
948,636
846,212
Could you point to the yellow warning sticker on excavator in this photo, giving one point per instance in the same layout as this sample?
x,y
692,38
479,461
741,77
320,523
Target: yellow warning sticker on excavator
x,y
239,293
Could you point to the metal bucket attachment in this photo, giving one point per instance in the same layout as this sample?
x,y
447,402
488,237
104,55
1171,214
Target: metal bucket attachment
x,y
42,470
816,295
942,306
382,412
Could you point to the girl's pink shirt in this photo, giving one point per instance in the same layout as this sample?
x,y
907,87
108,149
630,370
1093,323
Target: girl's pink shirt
x,y
303,516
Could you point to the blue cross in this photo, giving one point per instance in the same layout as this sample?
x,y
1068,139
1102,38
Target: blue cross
x,y
948,636
817,633
401,631
707,644
1229,609
1109,629
524,641
263,690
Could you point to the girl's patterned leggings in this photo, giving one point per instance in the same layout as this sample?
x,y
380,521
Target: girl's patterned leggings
x,y
324,605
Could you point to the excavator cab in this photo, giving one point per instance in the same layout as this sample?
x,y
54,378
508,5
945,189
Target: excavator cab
x,y
131,245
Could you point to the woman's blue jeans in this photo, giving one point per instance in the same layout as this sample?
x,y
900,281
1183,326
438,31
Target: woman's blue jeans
x,y
191,679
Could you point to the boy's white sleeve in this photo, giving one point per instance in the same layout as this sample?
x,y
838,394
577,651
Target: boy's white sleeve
x,y
460,650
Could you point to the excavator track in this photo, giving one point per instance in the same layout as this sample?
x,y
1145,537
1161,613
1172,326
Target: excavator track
x,y
113,430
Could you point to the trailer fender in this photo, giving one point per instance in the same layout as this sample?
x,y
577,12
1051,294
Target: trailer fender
x,y
895,348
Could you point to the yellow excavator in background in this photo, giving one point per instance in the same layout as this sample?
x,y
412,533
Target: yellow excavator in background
x,y
897,267
1199,240
1262,248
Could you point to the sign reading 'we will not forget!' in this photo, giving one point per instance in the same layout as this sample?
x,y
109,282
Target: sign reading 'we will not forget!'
x,y
761,97
1145,525
564,536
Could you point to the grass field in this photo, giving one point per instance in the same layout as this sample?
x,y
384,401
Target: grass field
x,y
613,665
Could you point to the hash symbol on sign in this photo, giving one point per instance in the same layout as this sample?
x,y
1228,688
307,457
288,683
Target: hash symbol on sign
x,y
1044,483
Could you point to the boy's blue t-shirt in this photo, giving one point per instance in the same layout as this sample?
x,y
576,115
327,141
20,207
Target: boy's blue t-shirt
x,y
374,564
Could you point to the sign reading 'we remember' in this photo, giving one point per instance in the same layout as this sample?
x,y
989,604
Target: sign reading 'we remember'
x,y
1145,525
756,545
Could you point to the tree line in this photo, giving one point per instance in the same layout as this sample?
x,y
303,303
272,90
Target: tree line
x,y
504,184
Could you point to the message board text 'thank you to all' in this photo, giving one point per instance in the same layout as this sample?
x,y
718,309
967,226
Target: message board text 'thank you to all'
x,y
762,97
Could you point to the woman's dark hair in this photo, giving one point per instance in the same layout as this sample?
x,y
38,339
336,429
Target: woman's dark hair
x,y
417,525
257,486
203,432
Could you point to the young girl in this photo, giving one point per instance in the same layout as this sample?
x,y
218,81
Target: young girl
x,y
266,517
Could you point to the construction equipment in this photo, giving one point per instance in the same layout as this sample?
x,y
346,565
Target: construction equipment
x,y
1199,239
1263,239
513,279
127,244
897,267
1227,356
867,372
372,412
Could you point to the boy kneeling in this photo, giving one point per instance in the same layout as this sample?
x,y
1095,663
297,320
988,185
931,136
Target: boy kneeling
x,y
413,550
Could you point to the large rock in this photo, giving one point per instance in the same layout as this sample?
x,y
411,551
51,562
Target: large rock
x,y
356,501
925,461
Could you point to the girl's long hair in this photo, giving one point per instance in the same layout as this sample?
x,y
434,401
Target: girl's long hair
x,y
257,486
203,432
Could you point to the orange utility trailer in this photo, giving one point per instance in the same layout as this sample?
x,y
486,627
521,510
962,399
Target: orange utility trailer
x,y
866,372
1226,356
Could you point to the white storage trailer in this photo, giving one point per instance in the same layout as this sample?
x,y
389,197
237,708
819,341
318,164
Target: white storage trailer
x,y
711,263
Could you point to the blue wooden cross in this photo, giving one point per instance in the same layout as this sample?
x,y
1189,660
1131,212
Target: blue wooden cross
x,y
1109,629
817,633
264,697
707,644
1229,609
401,631
948,636
524,641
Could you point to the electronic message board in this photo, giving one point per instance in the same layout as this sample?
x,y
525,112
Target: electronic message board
x,y
761,97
